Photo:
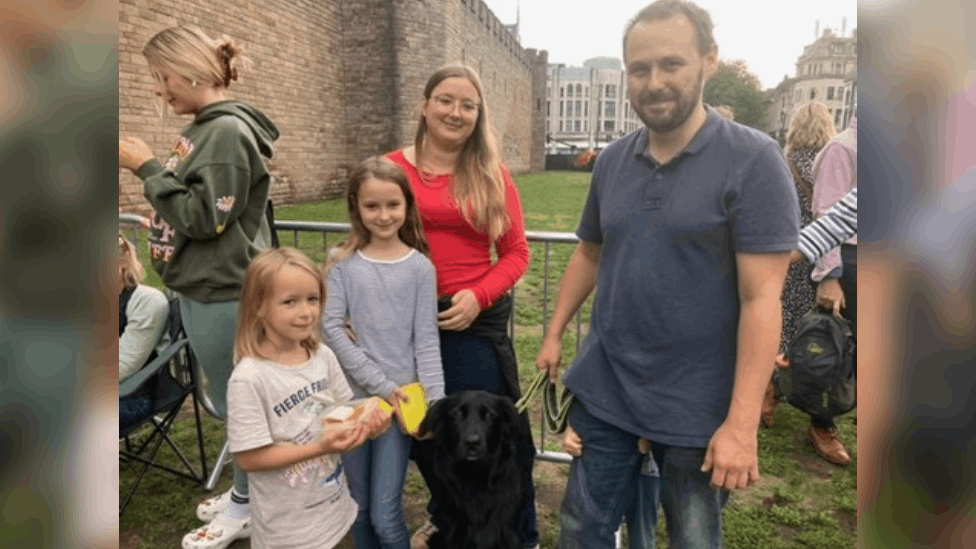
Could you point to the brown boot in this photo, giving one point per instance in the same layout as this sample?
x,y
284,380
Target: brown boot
x,y
827,443
769,405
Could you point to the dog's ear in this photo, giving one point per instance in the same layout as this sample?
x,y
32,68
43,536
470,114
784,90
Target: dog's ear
x,y
435,418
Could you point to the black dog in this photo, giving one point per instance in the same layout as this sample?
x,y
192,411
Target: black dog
x,y
481,460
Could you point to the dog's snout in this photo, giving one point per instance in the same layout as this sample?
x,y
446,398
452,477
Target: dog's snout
x,y
472,440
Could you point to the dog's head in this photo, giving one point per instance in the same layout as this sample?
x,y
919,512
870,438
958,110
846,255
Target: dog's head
x,y
475,426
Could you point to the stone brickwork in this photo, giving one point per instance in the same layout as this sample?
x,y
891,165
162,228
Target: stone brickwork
x,y
342,80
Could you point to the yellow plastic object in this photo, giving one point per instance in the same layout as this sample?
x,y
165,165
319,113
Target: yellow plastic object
x,y
413,412
385,406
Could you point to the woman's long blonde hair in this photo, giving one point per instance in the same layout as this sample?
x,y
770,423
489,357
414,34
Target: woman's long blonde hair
x,y
479,187
256,294
131,270
810,127
412,231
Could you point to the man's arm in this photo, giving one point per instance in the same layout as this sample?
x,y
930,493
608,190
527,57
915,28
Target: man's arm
x,y
732,453
578,281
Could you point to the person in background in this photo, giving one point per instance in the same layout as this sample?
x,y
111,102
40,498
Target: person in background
x,y
811,127
210,197
836,272
143,311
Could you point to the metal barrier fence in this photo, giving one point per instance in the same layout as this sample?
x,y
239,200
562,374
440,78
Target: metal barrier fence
x,y
135,224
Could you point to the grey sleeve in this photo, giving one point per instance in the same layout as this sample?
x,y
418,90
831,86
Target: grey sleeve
x,y
355,362
146,313
427,343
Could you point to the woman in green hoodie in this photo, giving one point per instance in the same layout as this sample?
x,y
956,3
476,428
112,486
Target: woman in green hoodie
x,y
210,196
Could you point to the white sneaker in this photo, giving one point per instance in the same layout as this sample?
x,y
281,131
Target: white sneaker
x,y
211,507
218,533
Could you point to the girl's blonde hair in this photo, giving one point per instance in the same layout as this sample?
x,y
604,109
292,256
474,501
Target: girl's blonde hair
x,y
810,127
256,293
380,169
131,269
478,188
190,53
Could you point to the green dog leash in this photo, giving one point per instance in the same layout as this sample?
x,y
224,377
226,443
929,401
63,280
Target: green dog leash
x,y
555,407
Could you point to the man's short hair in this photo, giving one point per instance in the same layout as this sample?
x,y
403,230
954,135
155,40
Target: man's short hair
x,y
666,9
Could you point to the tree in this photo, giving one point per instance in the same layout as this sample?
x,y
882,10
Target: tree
x,y
737,86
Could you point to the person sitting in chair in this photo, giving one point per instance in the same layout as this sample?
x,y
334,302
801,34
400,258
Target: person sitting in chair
x,y
143,311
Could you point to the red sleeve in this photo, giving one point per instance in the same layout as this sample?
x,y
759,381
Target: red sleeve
x,y
513,251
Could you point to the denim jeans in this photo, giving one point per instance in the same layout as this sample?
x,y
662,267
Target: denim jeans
x,y
133,409
376,472
606,483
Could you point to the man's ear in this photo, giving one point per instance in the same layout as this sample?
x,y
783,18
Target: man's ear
x,y
711,63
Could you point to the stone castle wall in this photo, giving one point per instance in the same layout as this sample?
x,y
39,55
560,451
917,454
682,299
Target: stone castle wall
x,y
341,80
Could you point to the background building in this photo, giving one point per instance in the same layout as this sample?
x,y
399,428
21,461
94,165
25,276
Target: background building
x,y
338,92
826,71
587,107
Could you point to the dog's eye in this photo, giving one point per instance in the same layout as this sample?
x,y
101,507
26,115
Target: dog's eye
x,y
488,414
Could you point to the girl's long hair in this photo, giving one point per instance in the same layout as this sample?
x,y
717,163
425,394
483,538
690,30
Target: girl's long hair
x,y
256,294
810,127
133,272
479,187
412,231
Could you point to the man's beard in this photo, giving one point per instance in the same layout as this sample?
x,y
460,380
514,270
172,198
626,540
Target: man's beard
x,y
684,106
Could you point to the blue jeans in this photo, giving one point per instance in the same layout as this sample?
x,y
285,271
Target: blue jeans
x,y
606,483
376,472
133,409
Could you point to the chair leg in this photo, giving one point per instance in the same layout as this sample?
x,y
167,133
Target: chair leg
x,y
222,460
203,453
145,467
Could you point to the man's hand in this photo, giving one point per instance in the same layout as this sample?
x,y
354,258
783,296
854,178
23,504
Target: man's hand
x,y
464,309
733,458
572,442
830,295
549,358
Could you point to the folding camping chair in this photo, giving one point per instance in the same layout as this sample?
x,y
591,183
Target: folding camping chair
x,y
170,378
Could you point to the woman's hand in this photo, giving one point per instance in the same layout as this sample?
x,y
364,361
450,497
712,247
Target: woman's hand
x,y
133,153
796,256
464,309
831,296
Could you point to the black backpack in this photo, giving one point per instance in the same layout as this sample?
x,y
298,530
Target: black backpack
x,y
821,379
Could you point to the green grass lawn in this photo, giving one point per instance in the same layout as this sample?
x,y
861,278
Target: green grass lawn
x,y
802,501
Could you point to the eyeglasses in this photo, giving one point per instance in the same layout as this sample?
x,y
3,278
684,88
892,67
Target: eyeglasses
x,y
448,102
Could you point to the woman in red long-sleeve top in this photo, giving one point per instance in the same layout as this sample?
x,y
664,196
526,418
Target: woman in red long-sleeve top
x,y
468,203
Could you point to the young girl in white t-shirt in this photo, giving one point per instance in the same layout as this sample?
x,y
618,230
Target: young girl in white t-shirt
x,y
284,382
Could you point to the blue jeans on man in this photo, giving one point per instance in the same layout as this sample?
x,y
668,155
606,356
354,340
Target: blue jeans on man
x,y
606,480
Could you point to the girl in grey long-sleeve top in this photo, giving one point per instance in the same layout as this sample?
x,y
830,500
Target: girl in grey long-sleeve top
x,y
384,282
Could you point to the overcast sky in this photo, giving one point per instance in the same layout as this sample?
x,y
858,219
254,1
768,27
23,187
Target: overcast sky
x,y
768,34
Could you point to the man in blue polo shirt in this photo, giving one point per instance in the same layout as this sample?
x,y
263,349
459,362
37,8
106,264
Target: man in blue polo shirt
x,y
686,231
